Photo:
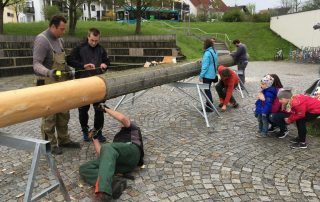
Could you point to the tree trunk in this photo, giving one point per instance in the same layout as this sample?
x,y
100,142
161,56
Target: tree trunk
x,y
138,18
17,15
1,19
89,10
72,26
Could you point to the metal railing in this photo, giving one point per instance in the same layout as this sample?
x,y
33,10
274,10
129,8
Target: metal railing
x,y
187,30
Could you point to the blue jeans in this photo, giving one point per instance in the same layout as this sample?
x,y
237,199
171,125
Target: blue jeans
x,y
263,123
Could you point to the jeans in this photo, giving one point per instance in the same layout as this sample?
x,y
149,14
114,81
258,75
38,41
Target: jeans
x,y
263,123
241,70
301,125
278,120
208,92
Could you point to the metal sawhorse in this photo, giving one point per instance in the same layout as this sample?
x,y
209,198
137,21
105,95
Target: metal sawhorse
x,y
39,147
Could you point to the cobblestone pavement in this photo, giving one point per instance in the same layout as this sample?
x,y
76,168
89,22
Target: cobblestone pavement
x,y
185,160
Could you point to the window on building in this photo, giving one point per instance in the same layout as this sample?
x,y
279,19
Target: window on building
x,y
29,4
10,15
93,8
84,7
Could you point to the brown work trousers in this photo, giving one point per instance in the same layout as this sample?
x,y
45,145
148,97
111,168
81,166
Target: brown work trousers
x,y
55,122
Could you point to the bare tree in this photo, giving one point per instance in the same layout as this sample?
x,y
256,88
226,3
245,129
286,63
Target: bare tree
x,y
252,8
73,6
141,6
286,3
296,4
311,5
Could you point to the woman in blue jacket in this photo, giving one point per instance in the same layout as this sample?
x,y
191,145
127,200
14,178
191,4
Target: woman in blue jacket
x,y
209,66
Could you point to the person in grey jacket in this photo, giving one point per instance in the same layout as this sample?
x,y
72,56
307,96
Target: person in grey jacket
x,y
241,59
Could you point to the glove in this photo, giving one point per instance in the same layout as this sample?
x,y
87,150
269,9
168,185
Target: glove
x,y
53,74
101,107
93,133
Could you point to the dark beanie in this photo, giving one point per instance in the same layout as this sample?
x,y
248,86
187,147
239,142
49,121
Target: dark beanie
x,y
285,93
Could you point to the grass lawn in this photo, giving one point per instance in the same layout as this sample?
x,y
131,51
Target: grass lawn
x,y
260,40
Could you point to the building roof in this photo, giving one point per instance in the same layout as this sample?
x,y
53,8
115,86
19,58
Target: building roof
x,y
216,5
242,7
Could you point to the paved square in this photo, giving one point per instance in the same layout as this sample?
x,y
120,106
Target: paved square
x,y
185,160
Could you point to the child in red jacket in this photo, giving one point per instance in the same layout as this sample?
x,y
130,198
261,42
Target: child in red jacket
x,y
302,109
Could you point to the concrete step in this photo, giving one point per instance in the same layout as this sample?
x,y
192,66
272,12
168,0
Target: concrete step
x,y
111,51
28,69
139,59
15,61
109,44
28,60
16,70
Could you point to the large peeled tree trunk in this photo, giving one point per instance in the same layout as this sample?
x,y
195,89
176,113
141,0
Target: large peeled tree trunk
x,y
19,105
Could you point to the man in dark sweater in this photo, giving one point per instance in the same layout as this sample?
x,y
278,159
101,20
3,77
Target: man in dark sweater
x,y
241,59
90,59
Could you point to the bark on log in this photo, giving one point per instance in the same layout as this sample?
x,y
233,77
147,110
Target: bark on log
x,y
35,102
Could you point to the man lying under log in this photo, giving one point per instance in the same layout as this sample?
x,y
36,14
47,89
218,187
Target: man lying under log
x,y
122,156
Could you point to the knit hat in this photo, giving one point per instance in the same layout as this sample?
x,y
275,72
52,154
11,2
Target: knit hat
x,y
267,79
285,93
317,91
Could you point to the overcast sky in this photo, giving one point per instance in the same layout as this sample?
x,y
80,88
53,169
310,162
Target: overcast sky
x,y
260,4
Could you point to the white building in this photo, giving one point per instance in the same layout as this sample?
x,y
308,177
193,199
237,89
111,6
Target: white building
x,y
33,11
96,11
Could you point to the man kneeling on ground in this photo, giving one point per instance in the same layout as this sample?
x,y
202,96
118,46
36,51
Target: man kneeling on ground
x,y
121,156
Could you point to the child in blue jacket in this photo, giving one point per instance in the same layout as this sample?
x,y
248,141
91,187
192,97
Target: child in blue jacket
x,y
264,103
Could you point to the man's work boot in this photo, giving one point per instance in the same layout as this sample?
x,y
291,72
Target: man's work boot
x,y
56,150
118,186
71,144
100,137
101,197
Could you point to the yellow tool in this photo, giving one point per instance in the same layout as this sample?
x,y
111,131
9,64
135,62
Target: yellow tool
x,y
58,73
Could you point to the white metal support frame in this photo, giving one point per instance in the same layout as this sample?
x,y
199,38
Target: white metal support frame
x,y
134,95
180,86
241,86
38,147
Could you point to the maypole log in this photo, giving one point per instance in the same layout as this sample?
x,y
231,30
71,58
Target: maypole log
x,y
30,103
